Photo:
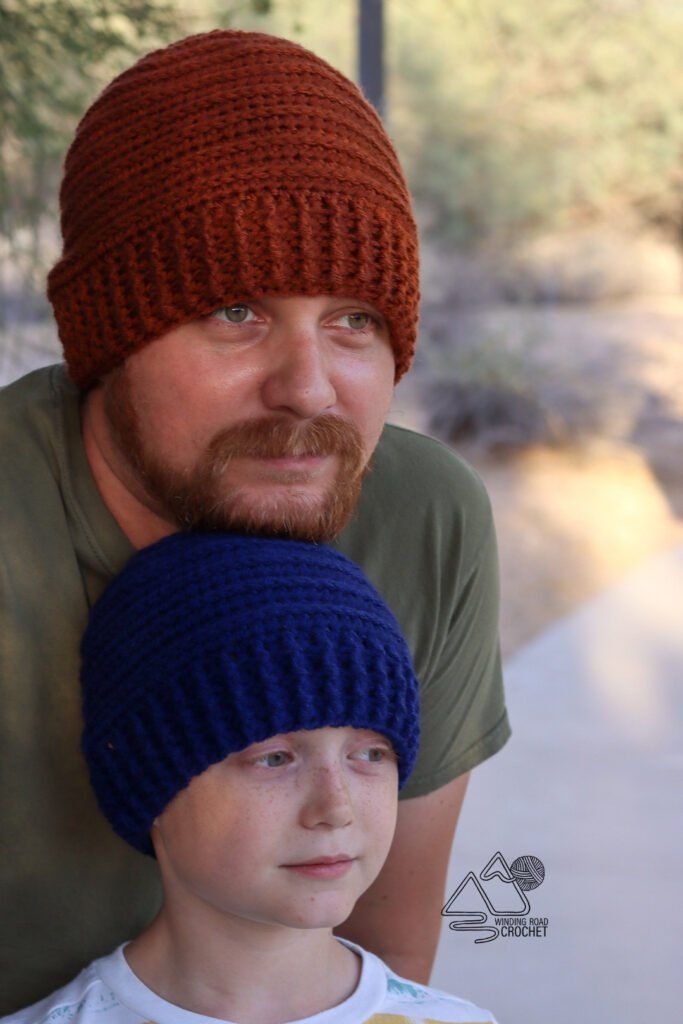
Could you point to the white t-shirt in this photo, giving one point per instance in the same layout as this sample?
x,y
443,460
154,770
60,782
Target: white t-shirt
x,y
107,992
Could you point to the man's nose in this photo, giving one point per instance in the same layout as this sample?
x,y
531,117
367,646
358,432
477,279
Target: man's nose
x,y
298,377
328,801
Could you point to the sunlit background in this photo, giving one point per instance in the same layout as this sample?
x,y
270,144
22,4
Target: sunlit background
x,y
543,145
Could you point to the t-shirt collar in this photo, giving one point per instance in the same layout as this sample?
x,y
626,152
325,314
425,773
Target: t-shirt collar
x,y
115,972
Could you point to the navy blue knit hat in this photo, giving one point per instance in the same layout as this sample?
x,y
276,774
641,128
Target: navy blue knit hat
x,y
207,643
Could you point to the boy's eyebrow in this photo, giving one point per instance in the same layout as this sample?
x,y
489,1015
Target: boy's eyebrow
x,y
299,736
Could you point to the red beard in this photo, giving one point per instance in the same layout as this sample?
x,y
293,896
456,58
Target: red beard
x,y
202,498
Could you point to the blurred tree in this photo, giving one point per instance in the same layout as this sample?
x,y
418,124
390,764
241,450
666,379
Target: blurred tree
x,y
55,56
519,115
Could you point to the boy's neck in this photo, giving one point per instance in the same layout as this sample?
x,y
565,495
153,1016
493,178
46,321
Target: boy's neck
x,y
262,974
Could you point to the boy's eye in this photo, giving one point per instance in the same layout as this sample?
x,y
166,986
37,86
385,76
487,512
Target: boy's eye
x,y
377,754
273,755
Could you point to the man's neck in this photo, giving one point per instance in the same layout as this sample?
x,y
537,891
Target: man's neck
x,y
244,970
124,498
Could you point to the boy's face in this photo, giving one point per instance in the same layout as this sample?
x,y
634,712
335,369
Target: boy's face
x,y
231,841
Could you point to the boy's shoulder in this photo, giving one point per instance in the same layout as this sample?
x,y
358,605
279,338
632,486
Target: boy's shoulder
x,y
84,1000
408,1002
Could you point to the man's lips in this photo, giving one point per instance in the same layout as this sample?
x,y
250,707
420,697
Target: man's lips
x,y
294,461
289,468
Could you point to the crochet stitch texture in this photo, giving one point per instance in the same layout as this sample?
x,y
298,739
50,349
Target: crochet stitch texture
x,y
223,167
207,643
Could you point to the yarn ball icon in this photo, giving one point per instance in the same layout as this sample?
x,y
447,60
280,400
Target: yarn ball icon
x,y
528,872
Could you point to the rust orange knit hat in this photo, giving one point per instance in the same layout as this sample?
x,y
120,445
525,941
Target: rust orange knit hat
x,y
223,167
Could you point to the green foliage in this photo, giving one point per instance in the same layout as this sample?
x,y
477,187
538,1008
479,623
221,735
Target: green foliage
x,y
519,115
507,389
54,57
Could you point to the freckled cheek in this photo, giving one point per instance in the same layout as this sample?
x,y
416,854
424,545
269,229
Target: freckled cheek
x,y
248,835
209,850
377,809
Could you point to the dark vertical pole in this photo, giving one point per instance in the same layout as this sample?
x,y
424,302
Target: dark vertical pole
x,y
371,52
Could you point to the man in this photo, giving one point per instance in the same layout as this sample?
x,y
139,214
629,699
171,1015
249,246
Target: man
x,y
236,297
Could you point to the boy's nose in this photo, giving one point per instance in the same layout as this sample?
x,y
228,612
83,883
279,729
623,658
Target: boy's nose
x,y
298,379
328,801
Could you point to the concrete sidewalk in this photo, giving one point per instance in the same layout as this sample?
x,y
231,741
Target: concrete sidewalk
x,y
592,784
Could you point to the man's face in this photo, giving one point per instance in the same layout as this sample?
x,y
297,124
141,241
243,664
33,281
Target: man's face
x,y
233,841
262,416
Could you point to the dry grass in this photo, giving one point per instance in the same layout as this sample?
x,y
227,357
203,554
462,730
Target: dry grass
x,y
570,523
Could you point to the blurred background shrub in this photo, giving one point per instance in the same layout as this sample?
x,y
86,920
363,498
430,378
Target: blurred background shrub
x,y
521,115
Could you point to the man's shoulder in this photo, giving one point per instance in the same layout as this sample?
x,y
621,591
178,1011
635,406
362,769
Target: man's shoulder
x,y
32,417
415,469
29,405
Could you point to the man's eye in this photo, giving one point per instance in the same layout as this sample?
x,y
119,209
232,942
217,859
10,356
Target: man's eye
x,y
236,314
273,754
359,320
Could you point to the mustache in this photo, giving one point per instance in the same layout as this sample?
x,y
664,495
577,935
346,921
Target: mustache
x,y
271,437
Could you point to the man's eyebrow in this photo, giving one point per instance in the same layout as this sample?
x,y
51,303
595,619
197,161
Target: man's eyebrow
x,y
355,300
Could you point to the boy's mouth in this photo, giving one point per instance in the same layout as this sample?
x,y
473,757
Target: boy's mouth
x,y
323,867
334,859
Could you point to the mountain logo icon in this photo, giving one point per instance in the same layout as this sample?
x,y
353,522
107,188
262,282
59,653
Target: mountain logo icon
x,y
499,891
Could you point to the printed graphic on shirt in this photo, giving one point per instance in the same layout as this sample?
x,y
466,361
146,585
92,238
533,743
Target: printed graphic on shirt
x,y
401,988
98,1002
398,1018
437,1007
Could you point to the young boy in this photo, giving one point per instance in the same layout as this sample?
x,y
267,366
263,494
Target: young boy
x,y
250,712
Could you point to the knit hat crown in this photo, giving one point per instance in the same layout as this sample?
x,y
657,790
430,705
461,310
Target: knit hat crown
x,y
207,643
223,167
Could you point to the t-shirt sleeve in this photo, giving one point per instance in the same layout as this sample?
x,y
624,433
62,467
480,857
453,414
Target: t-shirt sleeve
x,y
463,716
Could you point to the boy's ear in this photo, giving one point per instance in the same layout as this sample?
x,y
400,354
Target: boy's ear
x,y
155,837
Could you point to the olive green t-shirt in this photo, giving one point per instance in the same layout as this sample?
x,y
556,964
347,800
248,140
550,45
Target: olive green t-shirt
x,y
70,889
